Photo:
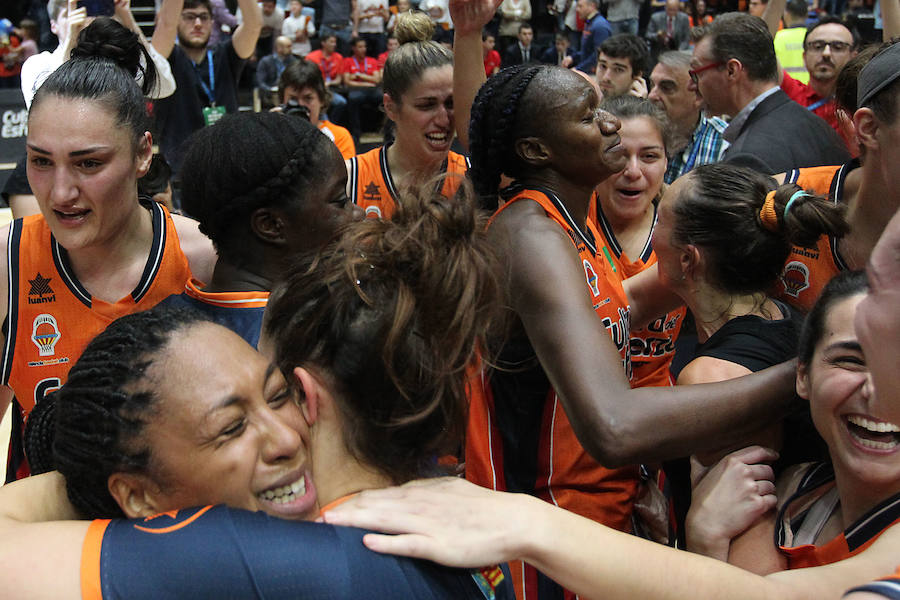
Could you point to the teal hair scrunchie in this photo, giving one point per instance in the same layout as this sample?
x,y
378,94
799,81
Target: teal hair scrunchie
x,y
796,195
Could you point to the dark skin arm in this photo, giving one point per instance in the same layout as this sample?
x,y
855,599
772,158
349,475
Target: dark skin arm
x,y
615,424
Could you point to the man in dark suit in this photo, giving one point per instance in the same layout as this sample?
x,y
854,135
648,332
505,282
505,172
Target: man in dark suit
x,y
523,51
669,29
735,70
557,54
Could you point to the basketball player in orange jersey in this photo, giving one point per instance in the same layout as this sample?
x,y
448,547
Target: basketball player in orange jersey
x,y
264,187
418,98
96,252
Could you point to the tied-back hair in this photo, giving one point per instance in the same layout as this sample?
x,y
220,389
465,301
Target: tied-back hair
x,y
246,162
91,427
843,285
391,314
417,53
102,68
494,127
719,211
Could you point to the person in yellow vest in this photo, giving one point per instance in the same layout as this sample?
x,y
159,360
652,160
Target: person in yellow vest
x,y
789,41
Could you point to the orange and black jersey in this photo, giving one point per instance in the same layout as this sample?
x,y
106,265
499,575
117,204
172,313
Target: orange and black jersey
x,y
653,346
220,552
519,437
373,189
807,270
52,317
816,490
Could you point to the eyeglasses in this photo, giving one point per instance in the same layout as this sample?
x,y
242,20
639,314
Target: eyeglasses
x,y
694,72
188,17
820,45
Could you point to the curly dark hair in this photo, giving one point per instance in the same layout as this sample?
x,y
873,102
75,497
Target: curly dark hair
x,y
246,162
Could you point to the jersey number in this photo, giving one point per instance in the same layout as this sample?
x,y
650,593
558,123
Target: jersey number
x,y
44,387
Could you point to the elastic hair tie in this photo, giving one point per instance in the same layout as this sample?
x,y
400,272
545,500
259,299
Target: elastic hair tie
x,y
796,195
767,215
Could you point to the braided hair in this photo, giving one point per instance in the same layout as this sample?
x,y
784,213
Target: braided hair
x,y
246,162
391,313
494,126
91,427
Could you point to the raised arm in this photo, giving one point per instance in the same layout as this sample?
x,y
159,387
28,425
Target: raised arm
x,y
890,19
469,17
615,424
167,26
165,82
773,13
246,34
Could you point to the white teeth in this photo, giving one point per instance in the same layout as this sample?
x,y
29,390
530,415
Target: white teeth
x,y
877,445
285,493
877,427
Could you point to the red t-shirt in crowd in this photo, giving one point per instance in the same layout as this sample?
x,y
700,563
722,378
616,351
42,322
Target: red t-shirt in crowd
x,y
367,65
491,62
804,95
331,66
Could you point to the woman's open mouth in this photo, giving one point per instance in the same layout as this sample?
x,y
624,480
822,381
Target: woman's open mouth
x,y
874,435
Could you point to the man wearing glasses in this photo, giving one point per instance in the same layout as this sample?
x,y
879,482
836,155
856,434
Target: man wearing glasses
x,y
206,75
828,45
734,68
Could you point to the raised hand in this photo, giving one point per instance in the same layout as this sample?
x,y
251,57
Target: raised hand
x,y
470,16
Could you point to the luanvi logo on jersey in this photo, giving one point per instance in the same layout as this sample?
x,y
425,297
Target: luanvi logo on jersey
x,y
40,291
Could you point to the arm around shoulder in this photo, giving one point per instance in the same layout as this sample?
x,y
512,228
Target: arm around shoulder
x,y
43,559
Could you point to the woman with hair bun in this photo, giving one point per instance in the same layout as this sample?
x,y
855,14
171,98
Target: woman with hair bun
x,y
418,98
96,251
374,336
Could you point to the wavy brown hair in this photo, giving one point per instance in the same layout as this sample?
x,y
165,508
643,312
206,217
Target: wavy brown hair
x,y
392,314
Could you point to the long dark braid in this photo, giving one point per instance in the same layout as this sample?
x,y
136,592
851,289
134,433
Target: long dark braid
x,y
98,415
249,161
493,127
